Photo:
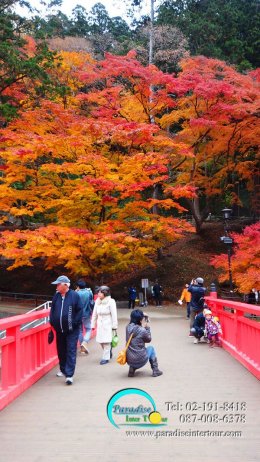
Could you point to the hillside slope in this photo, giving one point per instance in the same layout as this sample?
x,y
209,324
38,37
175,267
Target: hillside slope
x,y
186,259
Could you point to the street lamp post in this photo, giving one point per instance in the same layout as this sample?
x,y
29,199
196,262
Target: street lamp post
x,y
228,241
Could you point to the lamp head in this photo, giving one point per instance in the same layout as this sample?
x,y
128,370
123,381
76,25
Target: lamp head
x,y
226,213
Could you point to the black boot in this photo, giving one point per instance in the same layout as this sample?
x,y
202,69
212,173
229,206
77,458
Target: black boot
x,y
154,366
131,372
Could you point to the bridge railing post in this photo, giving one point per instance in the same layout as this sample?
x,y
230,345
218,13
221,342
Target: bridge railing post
x,y
213,290
213,294
26,354
11,358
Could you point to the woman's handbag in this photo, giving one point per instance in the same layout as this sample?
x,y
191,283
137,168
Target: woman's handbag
x,y
121,358
115,340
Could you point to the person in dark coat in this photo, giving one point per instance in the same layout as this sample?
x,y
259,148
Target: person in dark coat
x,y
252,297
131,297
66,318
197,298
198,327
137,355
157,294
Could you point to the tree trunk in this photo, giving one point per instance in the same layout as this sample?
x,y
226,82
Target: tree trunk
x,y
151,34
155,210
198,215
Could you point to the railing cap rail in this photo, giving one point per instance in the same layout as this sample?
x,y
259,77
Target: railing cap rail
x,y
13,321
253,309
3,292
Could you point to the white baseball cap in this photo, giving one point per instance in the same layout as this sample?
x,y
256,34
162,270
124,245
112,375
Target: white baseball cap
x,y
62,280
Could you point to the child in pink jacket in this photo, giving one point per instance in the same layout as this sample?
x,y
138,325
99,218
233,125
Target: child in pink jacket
x,y
213,329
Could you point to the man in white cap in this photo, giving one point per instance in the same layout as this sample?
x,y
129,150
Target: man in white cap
x,y
66,318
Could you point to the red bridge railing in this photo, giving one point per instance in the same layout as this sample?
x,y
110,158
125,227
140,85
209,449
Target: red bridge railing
x,y
25,353
241,331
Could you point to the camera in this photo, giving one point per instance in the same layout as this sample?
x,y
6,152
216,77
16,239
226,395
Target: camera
x,y
146,318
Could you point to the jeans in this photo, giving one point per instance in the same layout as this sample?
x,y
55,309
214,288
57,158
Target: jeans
x,y
193,314
67,351
188,309
86,322
197,332
151,352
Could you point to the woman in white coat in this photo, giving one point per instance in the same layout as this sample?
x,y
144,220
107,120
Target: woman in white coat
x,y
105,318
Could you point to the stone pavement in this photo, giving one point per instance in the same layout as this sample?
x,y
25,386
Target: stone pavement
x,y
52,422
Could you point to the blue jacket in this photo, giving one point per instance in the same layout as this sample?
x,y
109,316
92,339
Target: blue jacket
x,y
66,314
132,293
86,297
197,297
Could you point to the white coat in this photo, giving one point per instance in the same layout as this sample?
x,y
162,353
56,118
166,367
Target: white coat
x,y
105,317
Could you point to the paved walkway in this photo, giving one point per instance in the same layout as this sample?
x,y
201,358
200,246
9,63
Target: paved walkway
x,y
52,422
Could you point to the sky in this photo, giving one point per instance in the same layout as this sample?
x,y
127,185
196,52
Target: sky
x,y
114,7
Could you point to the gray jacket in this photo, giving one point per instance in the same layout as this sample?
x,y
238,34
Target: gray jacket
x,y
136,354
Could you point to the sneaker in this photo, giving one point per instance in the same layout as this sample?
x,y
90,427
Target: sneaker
x,y
196,340
104,361
204,340
84,348
69,380
59,374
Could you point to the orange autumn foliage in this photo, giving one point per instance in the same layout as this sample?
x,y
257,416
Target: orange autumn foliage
x,y
85,180
95,176
216,114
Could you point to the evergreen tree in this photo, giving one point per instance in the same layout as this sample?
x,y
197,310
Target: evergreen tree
x,y
18,62
80,22
225,29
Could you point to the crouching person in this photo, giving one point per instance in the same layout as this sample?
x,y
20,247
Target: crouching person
x,y
137,355
198,327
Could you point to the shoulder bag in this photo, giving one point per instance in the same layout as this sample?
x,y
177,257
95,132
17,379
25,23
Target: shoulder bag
x,y
121,358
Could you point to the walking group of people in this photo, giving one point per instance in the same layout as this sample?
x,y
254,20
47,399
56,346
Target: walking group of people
x,y
204,327
72,310
76,313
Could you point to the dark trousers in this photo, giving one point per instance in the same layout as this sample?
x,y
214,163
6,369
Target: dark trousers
x,y
131,304
158,299
192,316
67,351
197,332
